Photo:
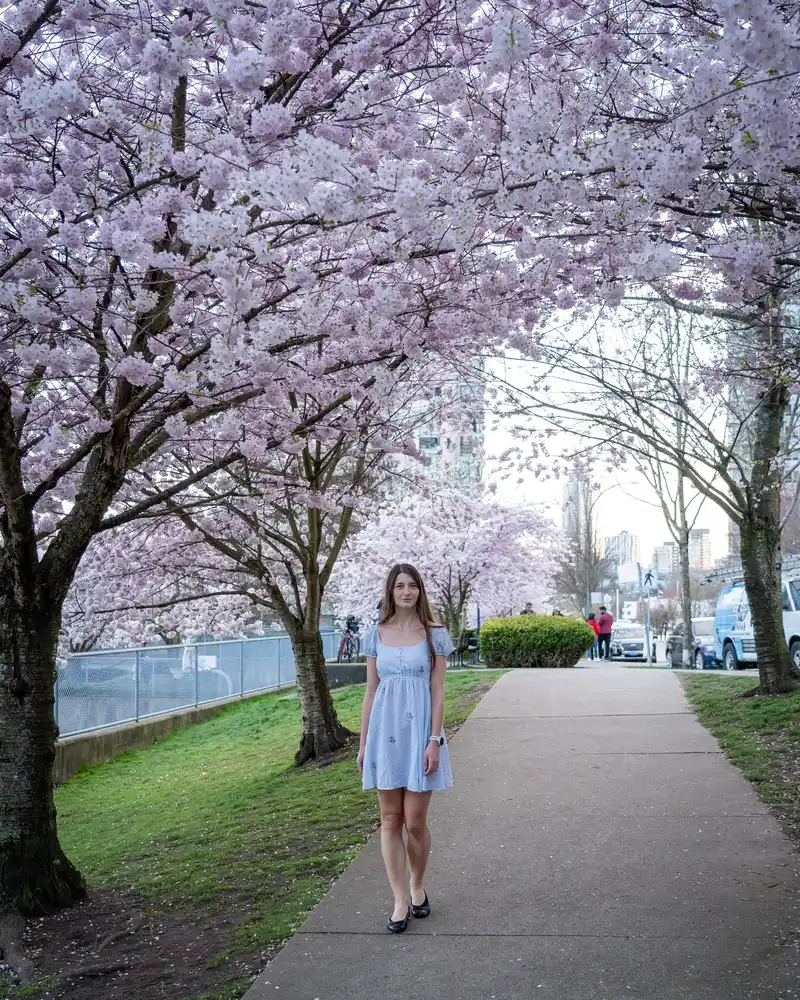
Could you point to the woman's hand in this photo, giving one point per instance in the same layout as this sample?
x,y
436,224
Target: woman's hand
x,y
431,758
360,758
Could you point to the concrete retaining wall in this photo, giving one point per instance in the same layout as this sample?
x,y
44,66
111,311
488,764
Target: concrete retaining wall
x,y
75,752
341,674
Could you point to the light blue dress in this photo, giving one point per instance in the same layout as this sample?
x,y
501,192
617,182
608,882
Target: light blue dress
x,y
400,721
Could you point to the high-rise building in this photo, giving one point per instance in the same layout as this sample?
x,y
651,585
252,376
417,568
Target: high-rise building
x,y
622,548
700,549
575,503
453,443
665,559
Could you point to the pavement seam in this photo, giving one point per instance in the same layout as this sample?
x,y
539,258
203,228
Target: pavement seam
x,y
641,753
497,934
560,718
661,815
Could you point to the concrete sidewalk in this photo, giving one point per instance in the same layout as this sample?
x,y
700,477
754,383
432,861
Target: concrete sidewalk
x,y
597,846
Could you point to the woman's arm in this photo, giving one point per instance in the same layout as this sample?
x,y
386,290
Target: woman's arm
x,y
369,697
437,695
431,757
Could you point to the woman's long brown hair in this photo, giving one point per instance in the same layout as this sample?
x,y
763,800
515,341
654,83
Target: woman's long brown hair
x,y
423,608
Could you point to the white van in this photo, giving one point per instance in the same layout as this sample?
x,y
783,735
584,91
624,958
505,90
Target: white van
x,y
734,640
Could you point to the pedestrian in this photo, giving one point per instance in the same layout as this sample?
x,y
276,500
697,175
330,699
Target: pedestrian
x,y
605,624
403,751
528,609
592,622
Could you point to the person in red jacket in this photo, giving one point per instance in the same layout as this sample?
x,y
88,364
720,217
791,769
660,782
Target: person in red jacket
x,y
591,621
605,624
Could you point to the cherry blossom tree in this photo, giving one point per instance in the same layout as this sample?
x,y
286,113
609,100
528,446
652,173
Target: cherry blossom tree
x,y
681,173
194,194
126,594
263,537
468,549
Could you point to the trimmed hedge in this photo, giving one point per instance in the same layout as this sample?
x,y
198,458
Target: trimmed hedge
x,y
534,641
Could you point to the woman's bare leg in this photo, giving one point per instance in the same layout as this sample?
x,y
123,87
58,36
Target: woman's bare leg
x,y
415,815
393,848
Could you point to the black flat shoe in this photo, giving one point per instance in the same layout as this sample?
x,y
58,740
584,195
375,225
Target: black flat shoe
x,y
422,911
398,926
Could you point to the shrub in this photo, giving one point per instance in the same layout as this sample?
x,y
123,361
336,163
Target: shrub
x,y
534,641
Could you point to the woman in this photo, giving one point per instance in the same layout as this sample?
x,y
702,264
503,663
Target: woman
x,y
403,751
594,625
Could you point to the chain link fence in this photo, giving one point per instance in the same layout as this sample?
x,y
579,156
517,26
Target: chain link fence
x,y
110,687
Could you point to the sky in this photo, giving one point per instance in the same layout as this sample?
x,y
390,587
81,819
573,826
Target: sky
x,y
624,500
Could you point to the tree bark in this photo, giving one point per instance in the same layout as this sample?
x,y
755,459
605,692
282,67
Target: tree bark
x,y
452,614
686,601
686,583
322,731
35,875
760,531
761,563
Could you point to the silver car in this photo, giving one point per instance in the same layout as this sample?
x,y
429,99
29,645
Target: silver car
x,y
629,644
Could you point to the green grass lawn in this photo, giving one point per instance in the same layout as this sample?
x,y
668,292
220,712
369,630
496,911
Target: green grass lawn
x,y
217,816
760,735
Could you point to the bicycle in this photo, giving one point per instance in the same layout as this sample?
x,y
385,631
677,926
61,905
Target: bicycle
x,y
348,648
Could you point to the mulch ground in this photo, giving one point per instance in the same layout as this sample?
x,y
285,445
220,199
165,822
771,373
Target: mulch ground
x,y
111,947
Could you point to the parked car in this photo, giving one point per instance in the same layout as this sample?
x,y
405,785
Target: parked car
x,y
628,643
702,656
734,639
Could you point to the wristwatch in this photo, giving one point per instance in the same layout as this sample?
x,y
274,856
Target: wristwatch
x,y
437,739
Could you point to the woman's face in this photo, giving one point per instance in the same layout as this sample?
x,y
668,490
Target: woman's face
x,y
406,592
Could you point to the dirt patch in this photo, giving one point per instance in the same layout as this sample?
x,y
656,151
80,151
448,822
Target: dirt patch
x,y
783,774
113,946
347,752
467,699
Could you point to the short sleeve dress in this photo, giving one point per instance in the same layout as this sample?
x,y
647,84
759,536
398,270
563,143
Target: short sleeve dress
x,y
400,721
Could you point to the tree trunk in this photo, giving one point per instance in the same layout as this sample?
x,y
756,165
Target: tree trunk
x,y
452,616
760,531
322,731
686,583
35,875
761,562
686,601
